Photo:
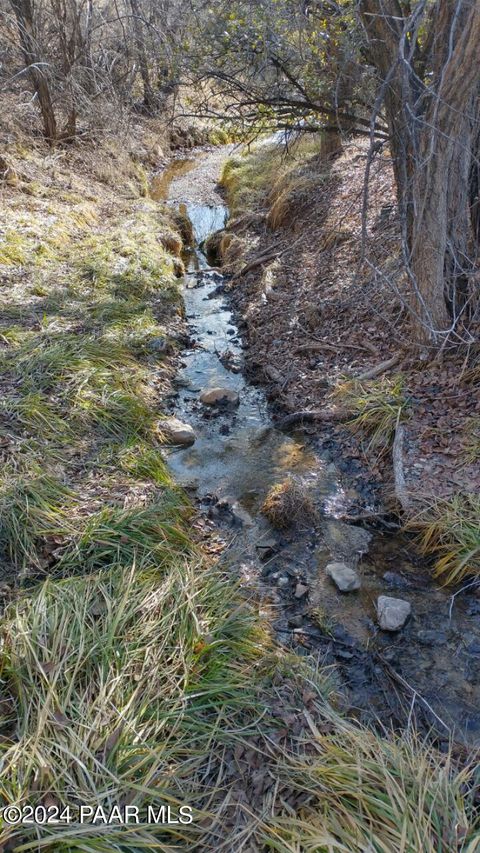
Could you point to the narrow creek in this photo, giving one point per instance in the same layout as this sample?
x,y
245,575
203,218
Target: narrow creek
x,y
429,672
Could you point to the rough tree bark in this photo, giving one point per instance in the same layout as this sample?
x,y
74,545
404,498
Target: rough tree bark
x,y
433,129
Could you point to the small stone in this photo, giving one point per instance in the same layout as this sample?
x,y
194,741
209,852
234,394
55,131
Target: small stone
x,y
344,577
177,432
295,621
159,344
283,581
300,590
219,397
392,612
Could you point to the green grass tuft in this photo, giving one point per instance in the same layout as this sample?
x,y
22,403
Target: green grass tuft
x,y
154,534
449,530
377,408
32,511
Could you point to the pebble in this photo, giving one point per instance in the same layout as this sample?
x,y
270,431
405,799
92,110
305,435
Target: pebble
x,y
392,612
300,590
159,344
395,580
219,397
344,577
176,432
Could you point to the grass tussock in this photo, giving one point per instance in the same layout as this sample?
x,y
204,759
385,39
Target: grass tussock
x,y
377,407
148,686
364,793
121,685
449,531
289,503
154,534
33,511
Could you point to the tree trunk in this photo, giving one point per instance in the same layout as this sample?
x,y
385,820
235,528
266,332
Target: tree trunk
x,y
149,99
23,10
433,129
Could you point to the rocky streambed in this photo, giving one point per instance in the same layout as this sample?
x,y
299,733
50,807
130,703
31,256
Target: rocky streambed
x,y
405,650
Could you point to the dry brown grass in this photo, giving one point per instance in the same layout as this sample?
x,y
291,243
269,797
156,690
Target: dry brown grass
x,y
290,192
232,251
289,503
172,243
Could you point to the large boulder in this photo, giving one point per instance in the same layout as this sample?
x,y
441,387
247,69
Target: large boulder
x,y
344,577
176,432
223,397
392,612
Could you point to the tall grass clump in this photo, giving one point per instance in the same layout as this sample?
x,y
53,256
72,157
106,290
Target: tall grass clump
x,y
48,359
363,792
125,688
449,531
154,534
33,510
377,407
269,173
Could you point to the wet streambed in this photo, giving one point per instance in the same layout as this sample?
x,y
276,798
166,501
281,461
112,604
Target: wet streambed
x,y
430,670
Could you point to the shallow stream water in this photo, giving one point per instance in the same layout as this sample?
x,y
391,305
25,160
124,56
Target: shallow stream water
x,y
430,671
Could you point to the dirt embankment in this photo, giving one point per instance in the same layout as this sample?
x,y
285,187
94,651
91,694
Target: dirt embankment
x,y
320,294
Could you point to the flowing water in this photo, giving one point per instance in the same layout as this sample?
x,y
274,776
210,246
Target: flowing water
x,y
428,672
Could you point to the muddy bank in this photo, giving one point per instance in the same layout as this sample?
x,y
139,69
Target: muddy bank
x,y
427,671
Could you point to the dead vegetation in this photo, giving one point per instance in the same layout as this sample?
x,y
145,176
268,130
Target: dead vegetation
x,y
289,503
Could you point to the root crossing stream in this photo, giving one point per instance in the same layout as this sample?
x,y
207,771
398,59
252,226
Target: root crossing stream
x,y
429,672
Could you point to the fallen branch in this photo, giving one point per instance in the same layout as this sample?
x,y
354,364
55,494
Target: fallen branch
x,y
380,368
369,516
401,491
257,262
320,345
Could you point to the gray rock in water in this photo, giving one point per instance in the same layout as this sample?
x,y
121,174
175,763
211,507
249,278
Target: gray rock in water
x,y
176,432
219,397
343,576
392,612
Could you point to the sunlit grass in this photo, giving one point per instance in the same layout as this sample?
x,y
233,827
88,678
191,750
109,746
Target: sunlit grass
x,y
364,792
377,407
32,510
37,414
143,461
44,361
267,177
123,684
135,672
155,534
449,531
